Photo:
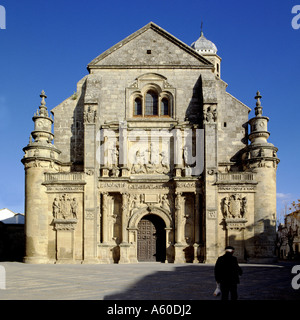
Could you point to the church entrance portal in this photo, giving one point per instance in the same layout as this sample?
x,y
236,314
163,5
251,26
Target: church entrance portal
x,y
151,244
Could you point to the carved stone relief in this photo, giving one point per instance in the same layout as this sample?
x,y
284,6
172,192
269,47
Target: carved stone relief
x,y
210,115
90,115
63,207
234,206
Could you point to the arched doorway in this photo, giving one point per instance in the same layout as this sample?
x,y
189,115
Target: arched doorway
x,y
151,239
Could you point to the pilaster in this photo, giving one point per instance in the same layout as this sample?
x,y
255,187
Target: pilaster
x,y
90,169
211,192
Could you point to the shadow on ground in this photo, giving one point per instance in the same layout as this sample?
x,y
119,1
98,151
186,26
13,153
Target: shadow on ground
x,y
196,282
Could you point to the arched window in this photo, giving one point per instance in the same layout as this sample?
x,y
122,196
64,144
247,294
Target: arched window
x,y
165,107
137,107
151,103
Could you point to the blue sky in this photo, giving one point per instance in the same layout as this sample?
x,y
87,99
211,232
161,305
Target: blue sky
x,y
48,44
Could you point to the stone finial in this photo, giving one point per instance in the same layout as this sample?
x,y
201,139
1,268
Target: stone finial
x,y
43,96
43,108
258,109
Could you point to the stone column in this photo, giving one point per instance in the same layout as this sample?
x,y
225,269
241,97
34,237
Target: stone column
x,y
36,217
124,217
178,159
104,217
123,147
105,253
168,243
180,227
197,226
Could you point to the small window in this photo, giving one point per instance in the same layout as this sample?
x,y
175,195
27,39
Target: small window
x,y
151,104
138,107
148,51
225,124
165,107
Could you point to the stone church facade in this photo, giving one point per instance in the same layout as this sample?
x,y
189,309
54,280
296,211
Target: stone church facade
x,y
150,160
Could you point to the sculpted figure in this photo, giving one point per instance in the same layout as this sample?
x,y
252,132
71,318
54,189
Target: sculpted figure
x,y
56,208
74,207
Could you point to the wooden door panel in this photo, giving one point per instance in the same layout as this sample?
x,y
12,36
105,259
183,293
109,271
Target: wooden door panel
x,y
146,249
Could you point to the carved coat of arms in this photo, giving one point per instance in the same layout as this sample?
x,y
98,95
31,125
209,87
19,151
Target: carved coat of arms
x,y
234,206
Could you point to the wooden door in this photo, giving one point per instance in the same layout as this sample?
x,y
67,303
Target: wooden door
x,y
146,244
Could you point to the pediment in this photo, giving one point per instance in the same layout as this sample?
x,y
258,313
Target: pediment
x,y
150,46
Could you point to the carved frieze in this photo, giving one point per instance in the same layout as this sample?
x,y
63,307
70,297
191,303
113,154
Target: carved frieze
x,y
64,188
64,224
224,188
235,224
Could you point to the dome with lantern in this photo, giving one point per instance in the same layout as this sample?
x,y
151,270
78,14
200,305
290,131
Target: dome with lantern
x,y
203,45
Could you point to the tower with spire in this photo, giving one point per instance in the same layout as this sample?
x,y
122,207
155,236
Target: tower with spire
x,y
261,158
40,156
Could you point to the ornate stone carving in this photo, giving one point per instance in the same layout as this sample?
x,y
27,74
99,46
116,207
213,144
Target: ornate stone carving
x,y
64,207
165,204
151,161
212,214
90,115
235,224
234,206
63,224
210,115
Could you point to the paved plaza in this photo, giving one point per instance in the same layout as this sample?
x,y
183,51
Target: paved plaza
x,y
141,281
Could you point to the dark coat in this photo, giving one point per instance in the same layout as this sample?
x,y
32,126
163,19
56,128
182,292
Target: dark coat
x,y
227,270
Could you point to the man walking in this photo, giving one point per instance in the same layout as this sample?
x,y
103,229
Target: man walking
x,y
227,272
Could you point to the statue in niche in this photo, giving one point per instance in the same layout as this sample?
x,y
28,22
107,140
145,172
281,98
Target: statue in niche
x,y
114,157
90,115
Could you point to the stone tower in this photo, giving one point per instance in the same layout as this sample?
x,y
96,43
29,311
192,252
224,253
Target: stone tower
x,y
40,154
261,158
